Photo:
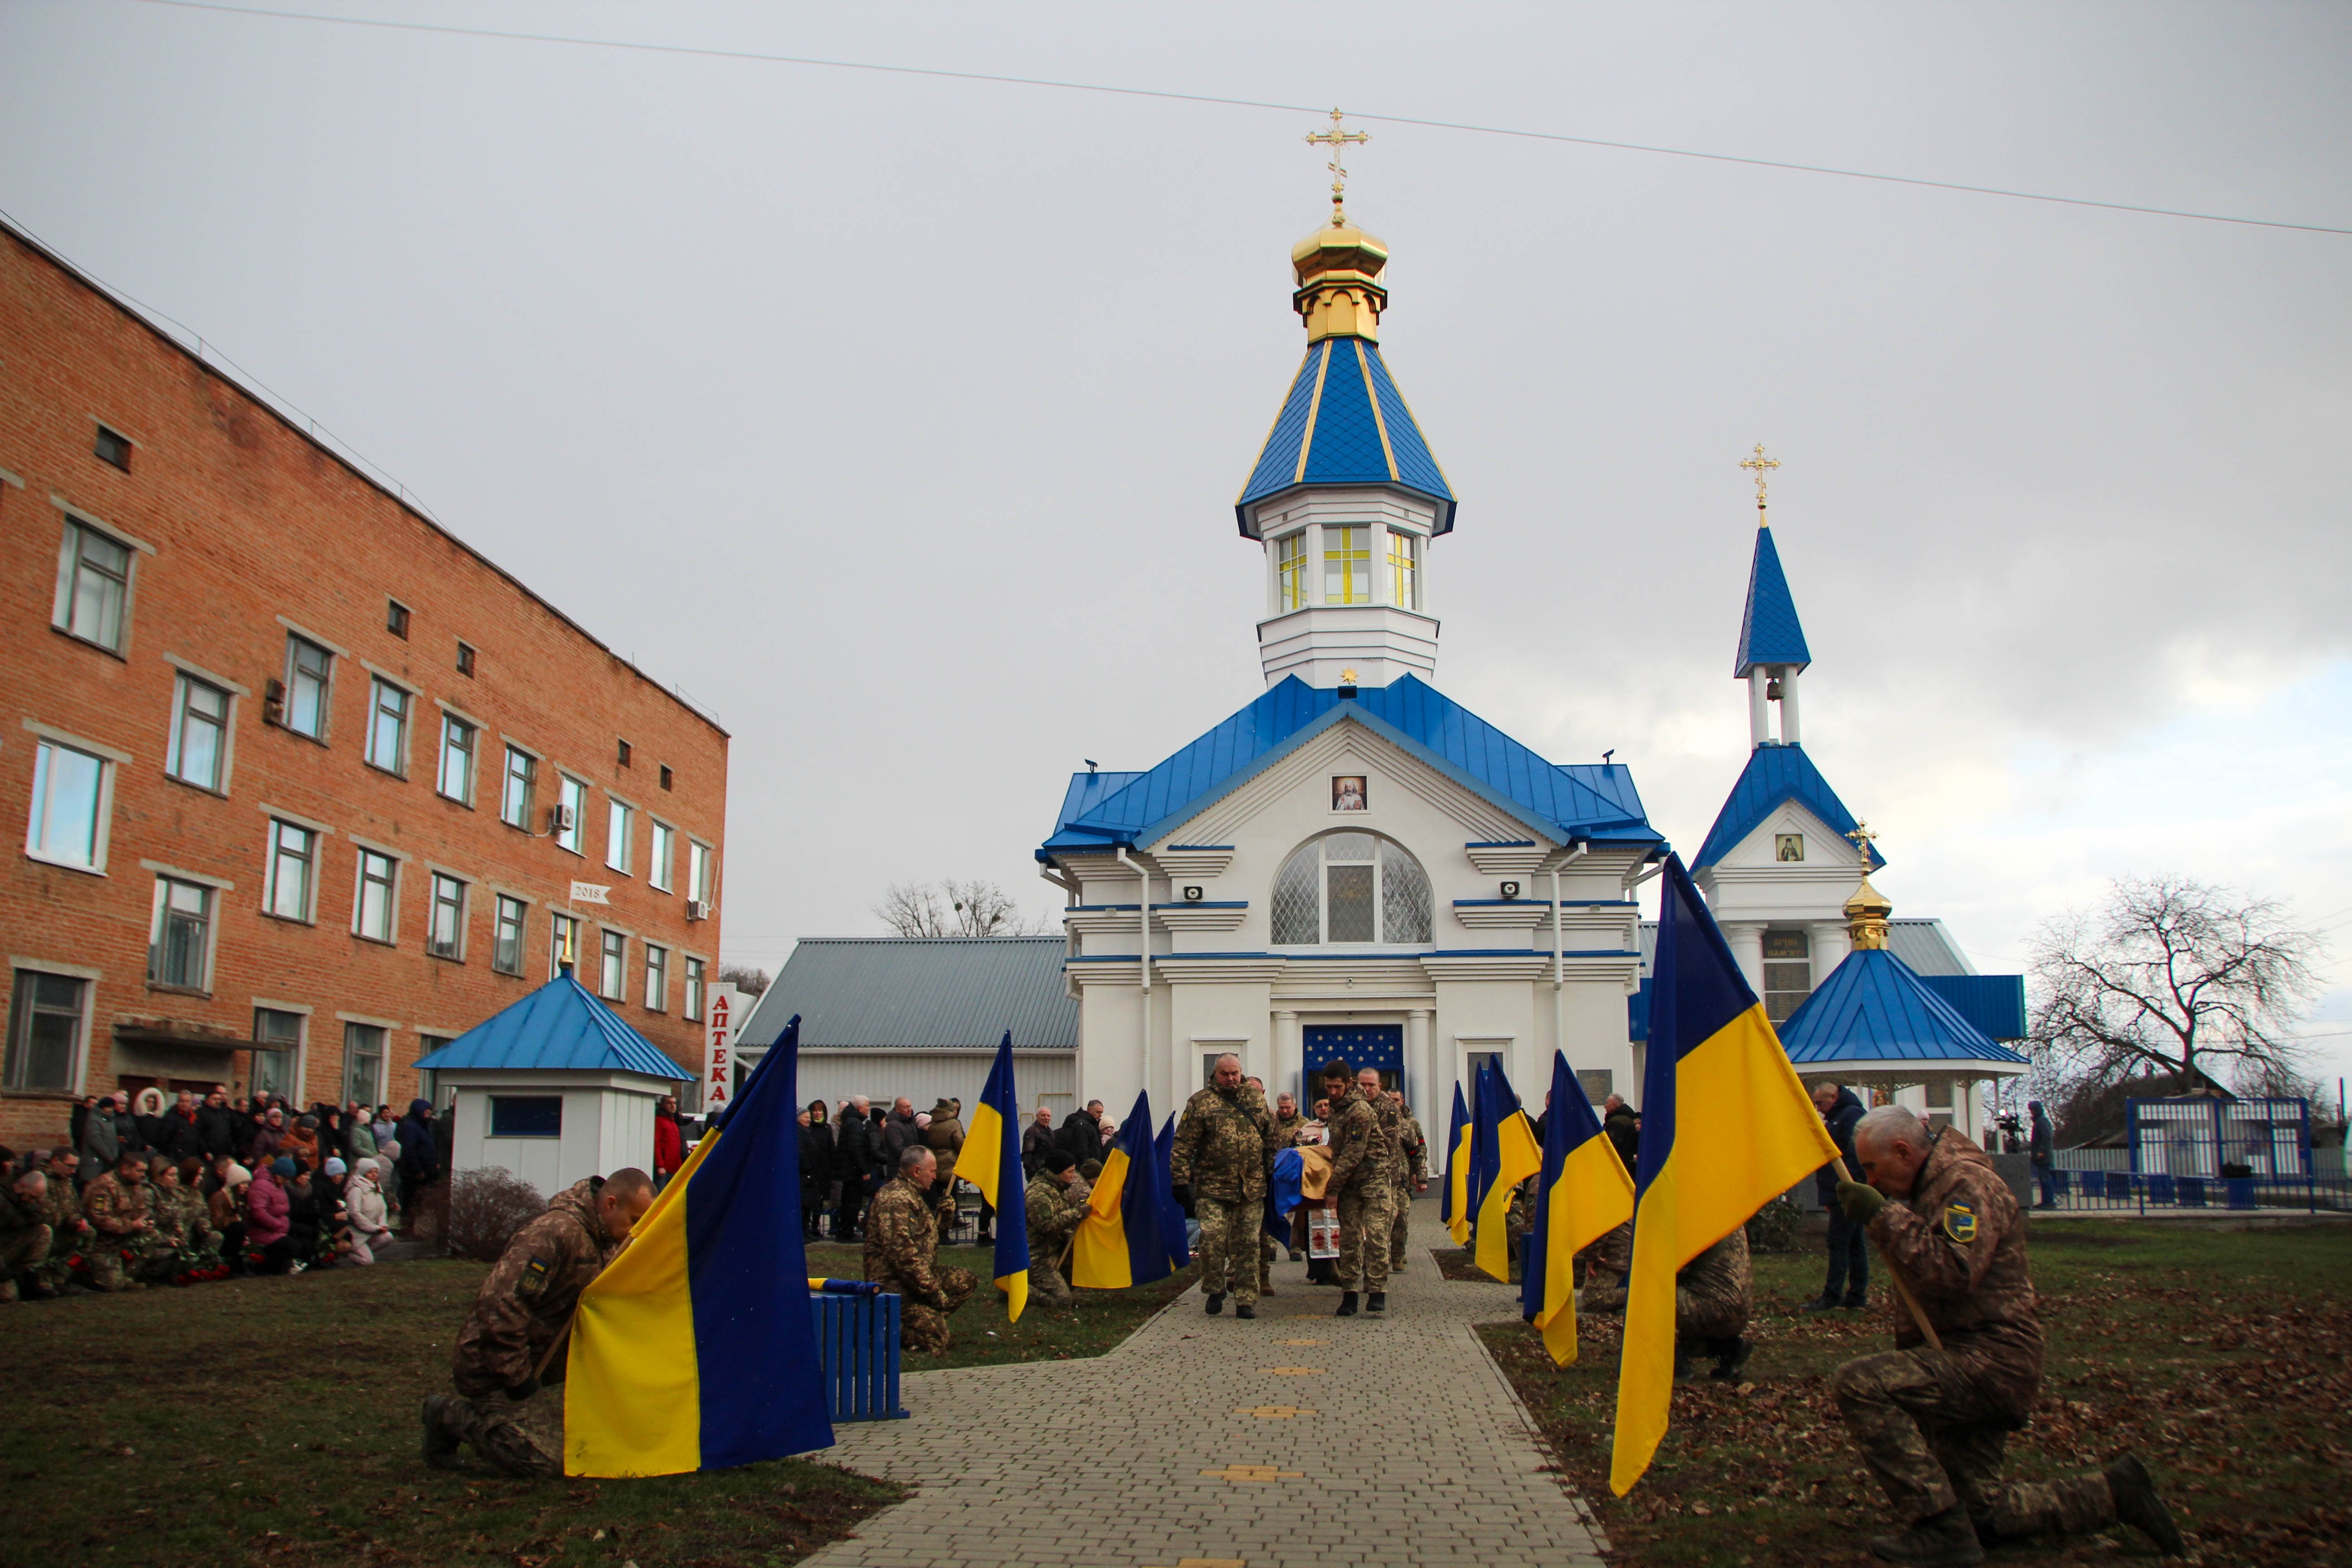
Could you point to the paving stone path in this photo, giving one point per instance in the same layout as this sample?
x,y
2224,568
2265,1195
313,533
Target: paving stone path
x,y
1298,1439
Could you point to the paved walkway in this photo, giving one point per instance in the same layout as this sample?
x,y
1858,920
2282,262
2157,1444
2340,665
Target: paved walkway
x,y
1299,1439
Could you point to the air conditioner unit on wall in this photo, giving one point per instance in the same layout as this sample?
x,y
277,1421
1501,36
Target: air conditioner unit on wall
x,y
273,701
561,819
697,909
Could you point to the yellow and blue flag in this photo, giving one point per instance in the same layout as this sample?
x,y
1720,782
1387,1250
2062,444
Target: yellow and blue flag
x,y
1726,1127
695,1349
990,1161
1583,1194
1171,1228
1123,1240
1453,1204
1505,1153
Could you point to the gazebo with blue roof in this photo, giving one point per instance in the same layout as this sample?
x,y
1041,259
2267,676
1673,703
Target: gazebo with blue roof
x,y
554,1089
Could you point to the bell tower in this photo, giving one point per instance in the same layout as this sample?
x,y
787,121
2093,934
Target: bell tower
x,y
1772,651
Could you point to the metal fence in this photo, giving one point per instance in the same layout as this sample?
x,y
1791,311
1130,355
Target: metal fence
x,y
2082,1192
2206,1136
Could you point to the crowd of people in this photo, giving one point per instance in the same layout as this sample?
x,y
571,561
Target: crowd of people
x,y
148,1191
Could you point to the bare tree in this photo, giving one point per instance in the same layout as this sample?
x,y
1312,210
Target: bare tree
x,y
2169,976
744,978
953,908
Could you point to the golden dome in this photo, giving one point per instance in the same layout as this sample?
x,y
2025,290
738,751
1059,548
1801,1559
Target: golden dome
x,y
1866,916
1340,293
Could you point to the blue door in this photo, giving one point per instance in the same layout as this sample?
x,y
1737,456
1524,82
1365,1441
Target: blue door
x,y
1361,1046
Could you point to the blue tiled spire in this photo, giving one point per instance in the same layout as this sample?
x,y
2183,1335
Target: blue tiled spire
x,y
1346,423
1768,631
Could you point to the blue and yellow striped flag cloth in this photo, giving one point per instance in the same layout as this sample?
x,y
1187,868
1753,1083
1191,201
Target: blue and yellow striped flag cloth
x,y
1122,1240
1506,1154
1454,1202
695,1349
1715,1072
1583,1194
990,1161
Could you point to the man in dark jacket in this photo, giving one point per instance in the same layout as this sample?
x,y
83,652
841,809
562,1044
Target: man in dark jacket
x,y
1036,1142
899,1132
1082,1138
855,1153
176,1132
420,1156
2041,1152
816,1167
215,1126
1848,1285
1622,1129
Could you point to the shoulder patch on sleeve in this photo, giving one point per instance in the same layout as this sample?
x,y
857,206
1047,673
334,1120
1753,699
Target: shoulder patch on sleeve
x,y
534,1277
1960,1222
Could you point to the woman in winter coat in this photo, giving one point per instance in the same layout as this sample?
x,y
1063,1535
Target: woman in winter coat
x,y
301,1141
371,1217
226,1210
266,1217
816,1166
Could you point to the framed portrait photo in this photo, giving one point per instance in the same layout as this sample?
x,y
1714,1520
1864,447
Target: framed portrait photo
x,y
1348,793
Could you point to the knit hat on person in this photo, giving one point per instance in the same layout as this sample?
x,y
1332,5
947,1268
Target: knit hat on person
x,y
282,1166
237,1177
307,1122
922,1119
335,1167
1059,1161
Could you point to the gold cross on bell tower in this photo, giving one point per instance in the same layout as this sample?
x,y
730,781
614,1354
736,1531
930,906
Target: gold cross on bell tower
x,y
1760,465
1336,139
1862,838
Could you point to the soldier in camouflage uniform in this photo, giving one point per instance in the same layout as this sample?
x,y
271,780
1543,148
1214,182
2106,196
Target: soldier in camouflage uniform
x,y
122,1236
1360,1185
1223,1143
69,1232
1715,1295
1413,1147
25,1236
1931,1423
509,1345
183,1224
902,1235
1392,1166
1054,1216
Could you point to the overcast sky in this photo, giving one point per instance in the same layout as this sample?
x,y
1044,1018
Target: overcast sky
x,y
900,419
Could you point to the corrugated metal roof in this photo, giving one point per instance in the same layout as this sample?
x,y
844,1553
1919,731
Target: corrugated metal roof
x,y
1769,631
561,1027
1341,404
917,993
1924,947
1873,1008
1775,774
1993,1002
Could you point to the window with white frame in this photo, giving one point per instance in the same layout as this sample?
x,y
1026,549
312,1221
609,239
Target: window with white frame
x,y
364,1063
507,937
445,935
179,941
662,854
571,821
93,586
1290,570
612,971
198,754
68,826
515,793
457,779
46,1014
387,738
293,870
656,978
620,828
1351,887
310,671
698,870
1347,563
562,943
1404,569
692,1010
372,906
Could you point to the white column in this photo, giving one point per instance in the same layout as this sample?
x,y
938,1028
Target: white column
x,y
1287,1065
1314,564
1789,734
1831,944
1759,711
1748,948
1421,1067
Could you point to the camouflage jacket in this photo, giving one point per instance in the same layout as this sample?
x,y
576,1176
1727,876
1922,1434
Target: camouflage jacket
x,y
63,1214
1285,1129
114,1210
19,1213
1223,1143
526,1303
1715,1292
944,1138
179,1215
1054,1216
1959,1243
1357,1152
1413,1147
902,1235
1391,1162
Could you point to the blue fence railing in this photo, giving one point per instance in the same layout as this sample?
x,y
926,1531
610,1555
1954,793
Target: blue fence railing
x,y
857,1345
2090,1191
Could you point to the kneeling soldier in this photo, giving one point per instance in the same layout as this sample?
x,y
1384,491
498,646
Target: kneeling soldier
x,y
1054,1216
902,1235
25,1236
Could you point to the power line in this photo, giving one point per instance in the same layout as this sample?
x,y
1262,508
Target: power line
x,y
1225,102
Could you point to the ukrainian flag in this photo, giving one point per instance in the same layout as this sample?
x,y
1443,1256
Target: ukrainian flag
x,y
1583,1194
1506,1154
1716,1070
1163,1150
1123,1239
1453,1204
992,1162
694,1350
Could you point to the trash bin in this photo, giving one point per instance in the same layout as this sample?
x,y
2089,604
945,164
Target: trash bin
x,y
857,1345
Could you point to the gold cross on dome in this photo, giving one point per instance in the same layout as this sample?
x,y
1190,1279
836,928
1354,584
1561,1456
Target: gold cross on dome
x,y
1336,139
1760,465
1862,837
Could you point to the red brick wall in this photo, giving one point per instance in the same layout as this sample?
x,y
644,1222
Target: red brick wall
x,y
249,520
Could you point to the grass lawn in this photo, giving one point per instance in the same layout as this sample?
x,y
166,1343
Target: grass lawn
x,y
2221,1356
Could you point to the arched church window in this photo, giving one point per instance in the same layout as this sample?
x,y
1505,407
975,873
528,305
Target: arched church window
x,y
1351,888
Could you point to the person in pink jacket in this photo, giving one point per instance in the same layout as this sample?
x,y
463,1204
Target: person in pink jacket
x,y
265,1219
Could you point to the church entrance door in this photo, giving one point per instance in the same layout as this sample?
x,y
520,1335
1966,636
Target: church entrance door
x,y
1361,1046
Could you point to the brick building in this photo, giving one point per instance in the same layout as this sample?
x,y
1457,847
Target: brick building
x,y
307,787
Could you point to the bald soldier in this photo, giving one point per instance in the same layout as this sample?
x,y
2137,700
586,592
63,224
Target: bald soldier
x,y
1223,1141
1931,1423
902,1242
510,1345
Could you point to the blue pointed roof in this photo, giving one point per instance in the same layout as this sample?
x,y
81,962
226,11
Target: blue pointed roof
x,y
561,1027
1769,631
1346,423
1873,1008
1596,802
1775,772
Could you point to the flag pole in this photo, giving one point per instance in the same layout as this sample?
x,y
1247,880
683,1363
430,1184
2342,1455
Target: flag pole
x,y
1902,1290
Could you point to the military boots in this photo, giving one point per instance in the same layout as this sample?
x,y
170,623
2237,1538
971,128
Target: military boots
x,y
1347,1305
1945,1540
2137,1505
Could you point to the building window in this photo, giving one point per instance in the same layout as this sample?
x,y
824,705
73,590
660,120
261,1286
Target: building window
x,y
364,1063
562,943
619,822
93,586
612,973
199,750
624,753
446,937
456,760
293,860
656,978
571,815
387,742
68,806
45,1018
1348,565
274,1069
1351,888
1290,570
1404,569
526,1116
1788,972
667,776
465,659
179,942
396,618
698,871
693,1007
371,909
112,446
505,945
514,795
308,667
665,851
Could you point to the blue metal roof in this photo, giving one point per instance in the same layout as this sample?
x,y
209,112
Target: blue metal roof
x,y
1344,423
1769,631
1595,800
1775,774
1873,1008
560,1028
1993,1002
